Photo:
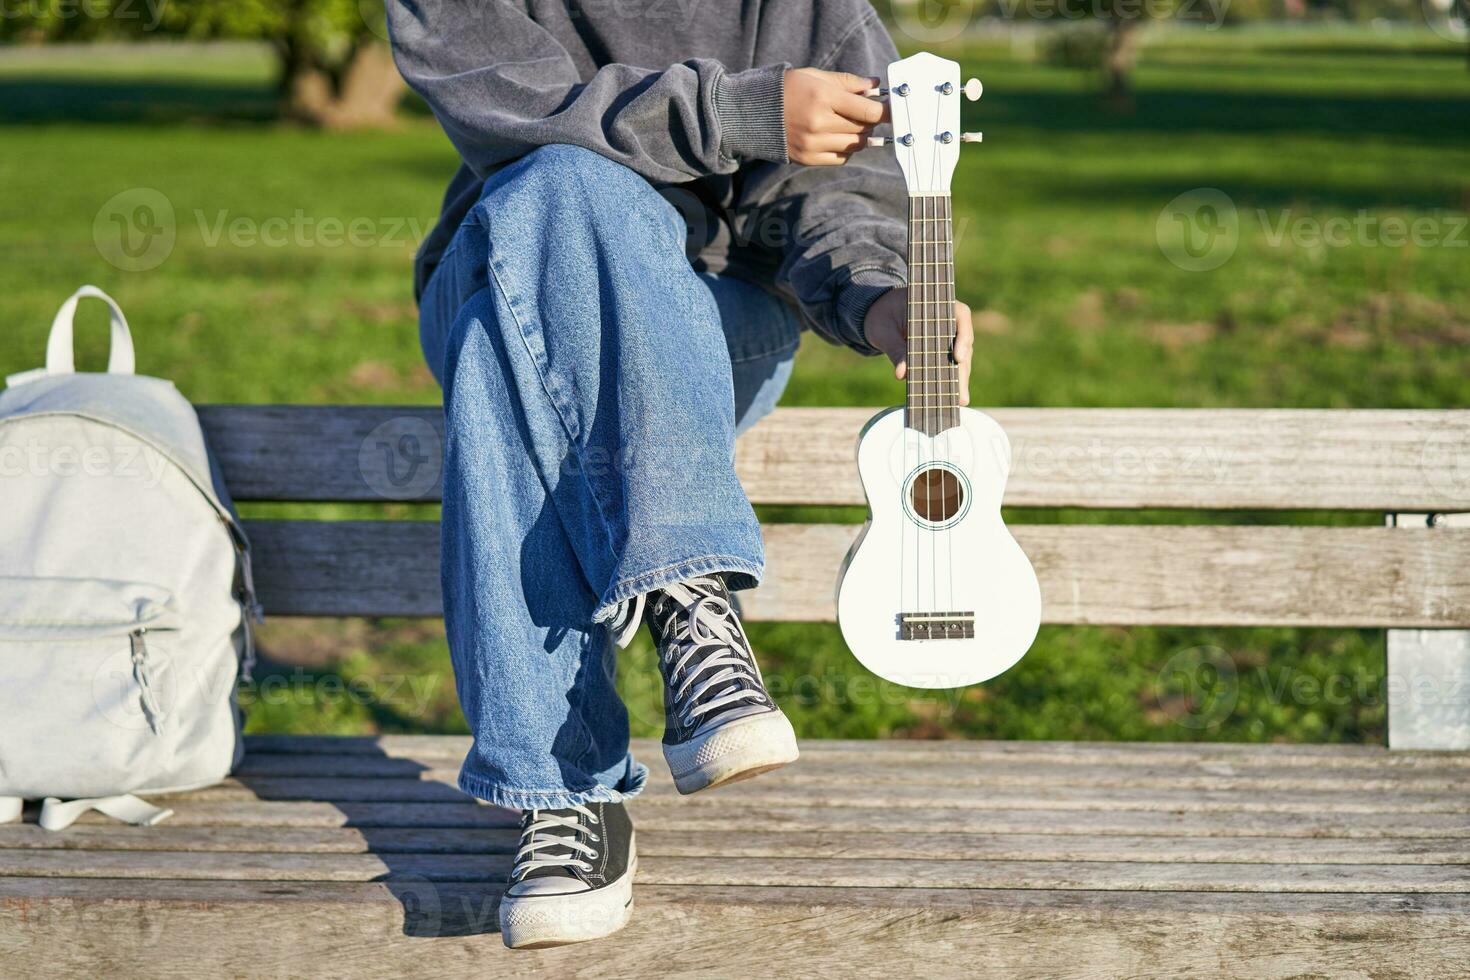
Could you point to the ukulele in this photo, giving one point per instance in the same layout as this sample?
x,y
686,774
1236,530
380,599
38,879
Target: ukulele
x,y
935,592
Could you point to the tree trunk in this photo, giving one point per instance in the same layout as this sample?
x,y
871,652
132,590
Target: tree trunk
x,y
1122,56
363,94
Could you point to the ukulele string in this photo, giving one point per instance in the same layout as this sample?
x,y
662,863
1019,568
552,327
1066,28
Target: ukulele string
x,y
938,375
949,311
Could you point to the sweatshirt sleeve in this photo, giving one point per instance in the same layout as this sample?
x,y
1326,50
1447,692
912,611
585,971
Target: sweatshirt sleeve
x,y
501,86
843,231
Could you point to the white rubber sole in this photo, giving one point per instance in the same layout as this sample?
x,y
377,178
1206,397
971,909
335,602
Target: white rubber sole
x,y
540,921
745,747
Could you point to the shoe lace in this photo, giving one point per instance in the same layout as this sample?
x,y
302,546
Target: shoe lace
x,y
539,831
706,654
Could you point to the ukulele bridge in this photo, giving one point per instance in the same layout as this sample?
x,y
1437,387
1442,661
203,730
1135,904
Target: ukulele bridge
x,y
936,626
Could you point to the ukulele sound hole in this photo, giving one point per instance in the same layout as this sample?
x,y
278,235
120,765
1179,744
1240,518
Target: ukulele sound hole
x,y
936,495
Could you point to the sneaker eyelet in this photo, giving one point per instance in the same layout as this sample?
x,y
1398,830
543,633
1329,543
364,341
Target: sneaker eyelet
x,y
596,839
593,856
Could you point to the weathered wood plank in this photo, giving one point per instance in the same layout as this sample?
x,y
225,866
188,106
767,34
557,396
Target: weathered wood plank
x,y
880,772
1124,575
781,789
408,928
1236,755
721,812
938,843
1186,458
740,872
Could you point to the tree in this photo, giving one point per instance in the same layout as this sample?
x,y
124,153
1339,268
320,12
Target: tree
x,y
333,64
333,67
1106,37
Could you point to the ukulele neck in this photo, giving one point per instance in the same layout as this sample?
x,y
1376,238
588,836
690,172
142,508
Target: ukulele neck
x,y
932,403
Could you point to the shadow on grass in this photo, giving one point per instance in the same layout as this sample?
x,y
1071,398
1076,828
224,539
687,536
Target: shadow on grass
x,y
30,101
1420,118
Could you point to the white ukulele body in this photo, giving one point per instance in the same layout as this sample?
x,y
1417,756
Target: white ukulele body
x,y
935,592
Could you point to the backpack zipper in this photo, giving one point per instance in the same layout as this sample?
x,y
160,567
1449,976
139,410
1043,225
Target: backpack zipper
x,y
142,675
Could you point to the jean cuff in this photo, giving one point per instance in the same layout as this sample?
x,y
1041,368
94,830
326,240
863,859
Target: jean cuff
x,y
740,573
520,798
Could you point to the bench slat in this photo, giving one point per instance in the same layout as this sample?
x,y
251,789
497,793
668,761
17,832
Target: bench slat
x,y
1219,757
1352,459
883,772
917,795
408,928
1224,758
850,872
1123,575
724,812
934,842
1294,881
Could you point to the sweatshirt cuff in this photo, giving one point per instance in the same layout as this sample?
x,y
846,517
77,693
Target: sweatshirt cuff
x,y
751,108
854,298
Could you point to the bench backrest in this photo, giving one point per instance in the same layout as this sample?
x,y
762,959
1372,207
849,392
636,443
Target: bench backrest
x,y
1403,574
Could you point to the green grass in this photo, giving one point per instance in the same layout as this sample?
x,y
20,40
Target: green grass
x,y
1057,251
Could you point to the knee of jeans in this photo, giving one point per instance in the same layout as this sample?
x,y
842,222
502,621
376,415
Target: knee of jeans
x,y
564,179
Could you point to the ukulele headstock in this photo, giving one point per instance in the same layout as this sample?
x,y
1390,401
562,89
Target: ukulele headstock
x,y
924,95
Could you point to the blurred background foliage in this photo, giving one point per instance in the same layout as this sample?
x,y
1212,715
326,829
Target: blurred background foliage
x,y
253,115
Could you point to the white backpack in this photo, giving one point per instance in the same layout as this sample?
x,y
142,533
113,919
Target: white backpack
x,y
125,594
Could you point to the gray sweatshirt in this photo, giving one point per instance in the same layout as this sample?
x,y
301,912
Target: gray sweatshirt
x,y
687,93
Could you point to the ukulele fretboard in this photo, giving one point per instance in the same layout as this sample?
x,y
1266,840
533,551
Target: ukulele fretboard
x,y
933,399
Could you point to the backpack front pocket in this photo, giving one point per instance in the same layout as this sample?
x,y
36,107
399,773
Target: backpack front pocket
x,y
88,683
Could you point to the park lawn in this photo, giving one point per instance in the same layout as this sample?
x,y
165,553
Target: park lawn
x,y
261,299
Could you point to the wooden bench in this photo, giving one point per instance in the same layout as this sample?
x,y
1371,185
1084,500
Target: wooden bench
x,y
343,856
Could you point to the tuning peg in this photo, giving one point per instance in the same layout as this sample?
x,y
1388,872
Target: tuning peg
x,y
877,141
877,93
972,137
973,89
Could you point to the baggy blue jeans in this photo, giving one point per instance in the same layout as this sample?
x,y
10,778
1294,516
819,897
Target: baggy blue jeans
x,y
593,385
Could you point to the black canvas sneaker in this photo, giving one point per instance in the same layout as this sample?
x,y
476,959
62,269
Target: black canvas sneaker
x,y
720,725
573,876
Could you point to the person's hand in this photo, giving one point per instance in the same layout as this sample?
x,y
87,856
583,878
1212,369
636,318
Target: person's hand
x,y
886,327
827,116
